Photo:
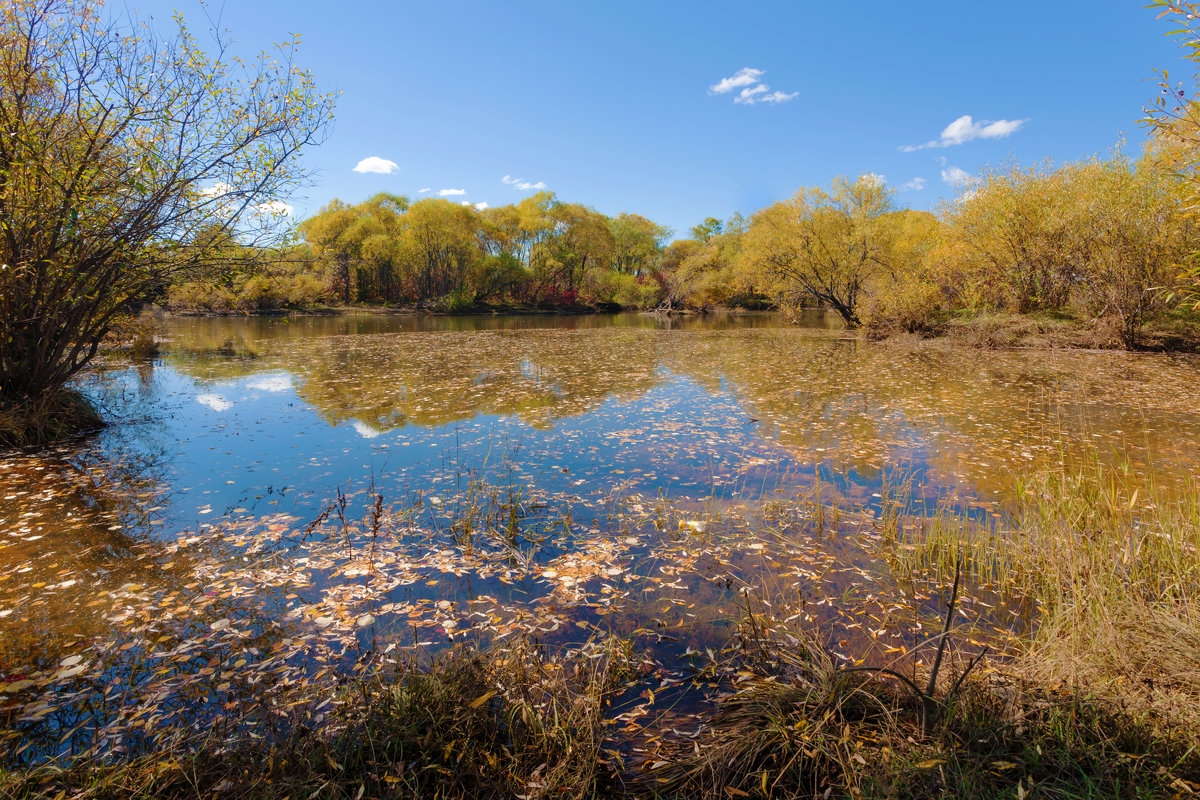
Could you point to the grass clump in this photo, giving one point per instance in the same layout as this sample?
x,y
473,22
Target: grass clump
x,y
504,722
804,726
1113,566
38,421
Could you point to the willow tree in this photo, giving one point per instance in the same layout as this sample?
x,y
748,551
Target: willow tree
x,y
822,244
121,151
1175,118
1135,232
360,243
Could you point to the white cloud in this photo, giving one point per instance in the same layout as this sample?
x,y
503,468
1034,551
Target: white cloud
x,y
224,199
275,208
915,185
957,178
477,206
451,192
270,383
777,97
523,185
216,190
747,95
423,191
752,89
214,401
743,77
965,129
376,164
873,178
365,431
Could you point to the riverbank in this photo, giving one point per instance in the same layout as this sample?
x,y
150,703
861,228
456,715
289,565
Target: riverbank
x,y
1175,332
1170,333
466,311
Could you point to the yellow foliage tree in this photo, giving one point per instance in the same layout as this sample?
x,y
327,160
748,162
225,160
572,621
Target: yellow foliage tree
x,y
120,154
823,244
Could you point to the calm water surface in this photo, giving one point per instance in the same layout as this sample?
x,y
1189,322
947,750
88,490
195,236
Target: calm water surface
x,y
279,413
241,419
249,416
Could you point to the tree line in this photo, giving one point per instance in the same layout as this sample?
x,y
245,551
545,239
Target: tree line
x,y
540,252
1107,238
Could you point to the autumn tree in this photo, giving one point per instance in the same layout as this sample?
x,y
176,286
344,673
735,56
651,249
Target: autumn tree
x,y
358,243
583,242
538,251
438,246
1135,232
637,243
1016,225
909,293
705,271
822,244
1175,119
120,153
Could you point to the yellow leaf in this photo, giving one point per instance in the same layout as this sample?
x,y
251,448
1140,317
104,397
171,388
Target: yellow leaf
x,y
478,701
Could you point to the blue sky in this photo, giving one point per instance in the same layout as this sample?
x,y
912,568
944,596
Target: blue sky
x,y
610,104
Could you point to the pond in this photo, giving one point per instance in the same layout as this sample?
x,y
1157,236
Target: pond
x,y
285,498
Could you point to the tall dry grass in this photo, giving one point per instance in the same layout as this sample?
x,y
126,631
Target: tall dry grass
x,y
1113,564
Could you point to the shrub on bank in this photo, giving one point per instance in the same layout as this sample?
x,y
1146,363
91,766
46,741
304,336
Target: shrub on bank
x,y
32,422
909,308
256,293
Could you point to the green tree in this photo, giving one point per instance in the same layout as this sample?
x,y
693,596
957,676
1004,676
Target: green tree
x,y
706,230
583,242
120,153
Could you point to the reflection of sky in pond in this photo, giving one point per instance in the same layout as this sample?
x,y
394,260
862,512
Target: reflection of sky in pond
x,y
262,415
252,444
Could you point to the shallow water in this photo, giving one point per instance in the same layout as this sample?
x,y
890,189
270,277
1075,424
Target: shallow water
x,y
642,452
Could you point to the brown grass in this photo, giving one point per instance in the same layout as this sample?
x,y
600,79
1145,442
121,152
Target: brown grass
x,y
44,420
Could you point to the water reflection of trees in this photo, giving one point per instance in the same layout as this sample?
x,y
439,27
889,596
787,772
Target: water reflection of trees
x,y
74,528
973,419
86,580
968,418
437,378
